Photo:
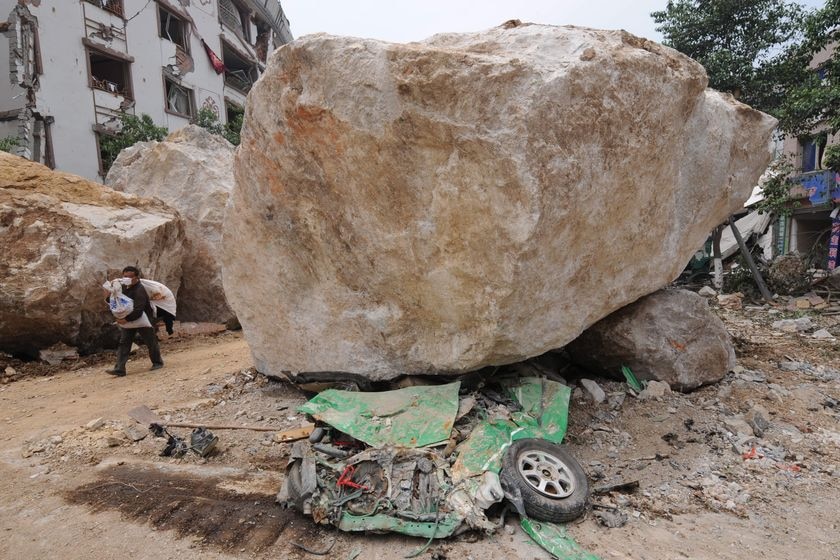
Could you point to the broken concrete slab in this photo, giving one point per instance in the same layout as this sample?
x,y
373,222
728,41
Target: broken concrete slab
x,y
453,221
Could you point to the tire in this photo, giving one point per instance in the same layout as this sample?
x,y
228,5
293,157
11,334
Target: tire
x,y
552,483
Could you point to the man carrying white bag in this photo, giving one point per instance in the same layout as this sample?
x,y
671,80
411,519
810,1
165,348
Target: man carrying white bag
x,y
133,311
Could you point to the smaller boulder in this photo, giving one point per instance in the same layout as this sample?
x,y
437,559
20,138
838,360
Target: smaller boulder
x,y
669,336
655,390
595,392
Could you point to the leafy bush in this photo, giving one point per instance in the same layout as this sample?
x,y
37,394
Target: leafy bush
x,y
776,189
208,120
740,279
133,129
7,143
831,158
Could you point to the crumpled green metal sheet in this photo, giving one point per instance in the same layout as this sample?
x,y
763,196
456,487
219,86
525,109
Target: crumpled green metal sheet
x,y
545,415
554,539
410,417
440,529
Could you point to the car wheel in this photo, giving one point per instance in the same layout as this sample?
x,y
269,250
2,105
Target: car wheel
x,y
551,482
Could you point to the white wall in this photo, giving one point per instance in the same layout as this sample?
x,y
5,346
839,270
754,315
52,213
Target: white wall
x,y
12,96
65,93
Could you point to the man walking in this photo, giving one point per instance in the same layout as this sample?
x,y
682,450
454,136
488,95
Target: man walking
x,y
134,289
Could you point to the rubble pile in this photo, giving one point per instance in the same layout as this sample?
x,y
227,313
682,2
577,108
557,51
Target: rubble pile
x,y
191,171
60,235
471,199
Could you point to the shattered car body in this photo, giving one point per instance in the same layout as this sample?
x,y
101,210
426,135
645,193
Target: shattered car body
x,y
421,461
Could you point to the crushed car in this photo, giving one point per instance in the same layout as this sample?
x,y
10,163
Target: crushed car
x,y
433,461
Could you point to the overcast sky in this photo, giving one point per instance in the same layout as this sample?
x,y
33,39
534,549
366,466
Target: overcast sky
x,y
413,20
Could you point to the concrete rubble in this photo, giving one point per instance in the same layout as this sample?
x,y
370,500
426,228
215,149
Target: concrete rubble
x,y
471,199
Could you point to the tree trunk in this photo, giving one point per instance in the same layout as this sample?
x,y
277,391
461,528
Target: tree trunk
x,y
717,281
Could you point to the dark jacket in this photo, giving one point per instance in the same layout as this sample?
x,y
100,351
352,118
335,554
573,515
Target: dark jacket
x,y
138,295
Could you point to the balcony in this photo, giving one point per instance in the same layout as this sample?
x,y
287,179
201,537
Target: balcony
x,y
113,6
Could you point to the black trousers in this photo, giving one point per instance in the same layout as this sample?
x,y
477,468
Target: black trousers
x,y
127,338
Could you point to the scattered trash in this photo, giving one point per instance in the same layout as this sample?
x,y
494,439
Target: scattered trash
x,y
202,442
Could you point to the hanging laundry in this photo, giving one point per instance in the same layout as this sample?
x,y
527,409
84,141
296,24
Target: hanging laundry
x,y
217,63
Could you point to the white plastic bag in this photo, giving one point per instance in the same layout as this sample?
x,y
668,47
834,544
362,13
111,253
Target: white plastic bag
x,y
119,303
143,321
160,296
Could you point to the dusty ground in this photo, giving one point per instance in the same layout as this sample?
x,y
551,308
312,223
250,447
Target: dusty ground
x,y
78,488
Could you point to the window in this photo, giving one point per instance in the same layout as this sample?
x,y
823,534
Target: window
x,y
240,73
172,28
235,17
109,73
113,6
812,152
179,99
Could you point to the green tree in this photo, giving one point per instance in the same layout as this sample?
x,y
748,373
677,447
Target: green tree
x,y
813,102
208,119
743,44
133,129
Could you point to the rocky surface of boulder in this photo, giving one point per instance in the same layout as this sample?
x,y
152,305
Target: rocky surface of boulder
x,y
60,237
192,171
471,199
670,336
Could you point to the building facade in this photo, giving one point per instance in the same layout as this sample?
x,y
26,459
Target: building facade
x,y
810,228
74,66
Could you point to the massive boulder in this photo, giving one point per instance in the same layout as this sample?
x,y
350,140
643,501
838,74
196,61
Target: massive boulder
x,y
61,236
670,336
471,199
192,171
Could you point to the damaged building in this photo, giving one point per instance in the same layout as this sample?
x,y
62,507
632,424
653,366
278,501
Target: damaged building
x,y
75,66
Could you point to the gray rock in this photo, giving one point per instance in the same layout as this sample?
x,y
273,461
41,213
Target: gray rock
x,y
669,336
707,291
134,432
737,425
57,353
655,390
823,334
439,206
758,419
595,392
801,324
192,171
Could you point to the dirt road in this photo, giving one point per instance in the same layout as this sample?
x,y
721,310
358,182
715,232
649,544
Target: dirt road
x,y
76,487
